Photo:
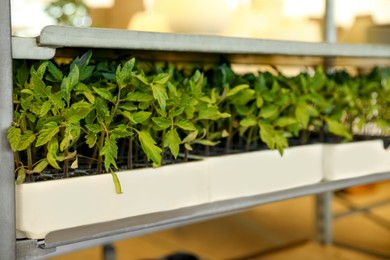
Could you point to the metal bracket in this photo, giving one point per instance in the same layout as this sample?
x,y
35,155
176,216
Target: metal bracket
x,y
28,249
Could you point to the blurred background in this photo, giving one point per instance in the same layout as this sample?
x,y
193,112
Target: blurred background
x,y
357,20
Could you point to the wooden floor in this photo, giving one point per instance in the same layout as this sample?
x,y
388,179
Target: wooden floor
x,y
277,231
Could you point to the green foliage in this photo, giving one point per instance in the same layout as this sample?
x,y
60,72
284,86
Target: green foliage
x,y
98,110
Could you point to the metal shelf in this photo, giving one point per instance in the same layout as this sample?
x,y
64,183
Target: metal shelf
x,y
171,46
63,241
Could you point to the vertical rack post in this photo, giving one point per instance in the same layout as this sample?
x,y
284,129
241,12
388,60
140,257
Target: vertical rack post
x,y
7,186
324,214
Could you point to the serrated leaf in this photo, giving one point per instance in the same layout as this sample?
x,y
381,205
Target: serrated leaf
x,y
172,140
302,115
84,90
110,153
190,137
212,113
56,74
338,128
140,117
162,123
125,74
39,86
139,97
121,131
26,140
104,93
47,133
45,108
149,147
268,111
94,128
161,78
42,69
90,139
248,121
78,111
280,143
237,89
129,106
21,176
160,94
14,135
267,134
101,107
52,149
185,125
41,166
285,121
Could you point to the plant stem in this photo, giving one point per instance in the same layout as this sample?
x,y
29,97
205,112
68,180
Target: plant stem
x,y
230,136
186,152
130,154
249,140
66,164
207,148
100,158
29,162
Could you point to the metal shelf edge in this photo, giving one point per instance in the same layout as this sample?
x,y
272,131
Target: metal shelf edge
x,y
27,48
62,36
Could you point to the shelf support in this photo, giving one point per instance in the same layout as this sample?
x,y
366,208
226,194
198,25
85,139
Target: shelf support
x,y
324,217
7,181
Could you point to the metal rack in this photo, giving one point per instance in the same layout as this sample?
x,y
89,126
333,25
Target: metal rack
x,y
59,41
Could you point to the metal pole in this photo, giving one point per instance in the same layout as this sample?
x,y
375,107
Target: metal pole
x,y
330,29
324,214
7,181
324,217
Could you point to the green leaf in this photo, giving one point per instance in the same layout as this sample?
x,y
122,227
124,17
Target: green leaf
x,y
281,142
140,117
248,121
302,115
267,134
185,125
172,140
117,184
160,94
152,151
75,163
206,142
237,89
125,74
101,107
41,166
121,131
56,74
139,97
45,108
21,176
94,128
161,78
338,128
104,93
42,69
52,149
90,139
162,123
129,106
110,153
39,86
212,113
26,140
84,90
268,111
259,101
14,135
190,137
78,111
285,121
